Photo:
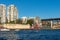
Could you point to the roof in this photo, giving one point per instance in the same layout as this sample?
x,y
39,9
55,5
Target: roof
x,y
50,19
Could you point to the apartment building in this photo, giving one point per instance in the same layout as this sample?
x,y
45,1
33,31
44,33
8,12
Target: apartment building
x,y
12,13
2,13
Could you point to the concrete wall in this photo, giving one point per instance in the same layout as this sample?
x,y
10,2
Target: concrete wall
x,y
16,26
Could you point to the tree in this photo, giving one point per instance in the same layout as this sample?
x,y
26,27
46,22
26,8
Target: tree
x,y
18,21
0,20
12,22
31,21
6,20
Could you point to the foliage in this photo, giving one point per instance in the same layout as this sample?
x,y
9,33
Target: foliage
x,y
18,21
31,21
12,22
48,24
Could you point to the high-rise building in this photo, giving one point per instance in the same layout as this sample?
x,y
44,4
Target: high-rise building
x,y
2,13
12,13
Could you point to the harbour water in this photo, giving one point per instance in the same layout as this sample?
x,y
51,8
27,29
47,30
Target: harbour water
x,y
47,34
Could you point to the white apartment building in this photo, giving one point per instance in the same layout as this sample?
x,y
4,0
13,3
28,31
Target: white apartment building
x,y
24,19
2,13
12,13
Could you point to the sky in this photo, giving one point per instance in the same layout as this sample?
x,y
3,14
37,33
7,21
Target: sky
x,y
32,8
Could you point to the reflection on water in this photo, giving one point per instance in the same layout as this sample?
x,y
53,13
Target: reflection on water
x,y
30,35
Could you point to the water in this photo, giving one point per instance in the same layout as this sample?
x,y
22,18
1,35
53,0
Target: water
x,y
30,35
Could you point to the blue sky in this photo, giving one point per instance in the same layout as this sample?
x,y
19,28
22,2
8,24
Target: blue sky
x,y
41,8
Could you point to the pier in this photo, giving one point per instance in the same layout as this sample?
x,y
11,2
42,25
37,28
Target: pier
x,y
53,23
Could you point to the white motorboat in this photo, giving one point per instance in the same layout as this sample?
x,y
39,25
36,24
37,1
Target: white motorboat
x,y
4,29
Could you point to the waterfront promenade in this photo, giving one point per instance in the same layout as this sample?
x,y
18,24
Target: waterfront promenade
x,y
15,26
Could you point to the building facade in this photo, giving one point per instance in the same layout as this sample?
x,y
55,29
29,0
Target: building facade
x,y
2,13
12,13
24,20
51,23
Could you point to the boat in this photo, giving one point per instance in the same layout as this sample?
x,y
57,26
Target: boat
x,y
4,29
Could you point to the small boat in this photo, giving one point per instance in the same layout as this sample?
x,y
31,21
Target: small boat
x,y
4,29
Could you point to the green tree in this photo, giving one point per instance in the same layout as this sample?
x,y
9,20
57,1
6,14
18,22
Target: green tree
x,y
0,20
31,21
6,21
12,22
18,21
